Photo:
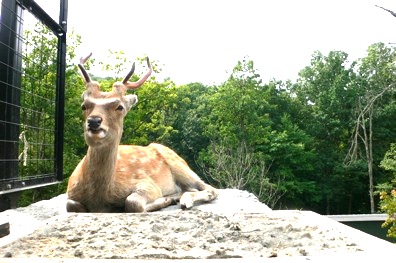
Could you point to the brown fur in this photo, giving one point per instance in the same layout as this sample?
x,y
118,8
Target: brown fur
x,y
115,178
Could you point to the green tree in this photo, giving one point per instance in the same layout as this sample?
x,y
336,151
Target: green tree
x,y
152,119
40,80
239,111
374,83
245,113
189,138
326,90
387,191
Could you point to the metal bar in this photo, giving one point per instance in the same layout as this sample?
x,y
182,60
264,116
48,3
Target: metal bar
x,y
22,188
359,217
9,76
37,11
60,87
44,144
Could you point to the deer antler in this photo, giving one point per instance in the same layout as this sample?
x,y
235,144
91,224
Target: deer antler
x,y
137,84
84,73
93,86
129,75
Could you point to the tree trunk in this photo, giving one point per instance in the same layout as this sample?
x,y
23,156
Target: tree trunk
x,y
370,162
367,140
366,137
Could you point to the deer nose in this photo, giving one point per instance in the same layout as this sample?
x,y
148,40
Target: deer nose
x,y
94,122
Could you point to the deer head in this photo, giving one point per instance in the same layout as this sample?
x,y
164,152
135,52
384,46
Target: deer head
x,y
104,112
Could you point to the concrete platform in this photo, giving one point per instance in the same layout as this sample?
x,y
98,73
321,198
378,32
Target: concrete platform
x,y
234,227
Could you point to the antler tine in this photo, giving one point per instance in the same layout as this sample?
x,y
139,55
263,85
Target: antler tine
x,y
83,60
84,73
129,75
137,84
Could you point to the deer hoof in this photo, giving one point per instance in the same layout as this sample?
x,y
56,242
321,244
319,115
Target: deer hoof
x,y
74,206
134,205
186,201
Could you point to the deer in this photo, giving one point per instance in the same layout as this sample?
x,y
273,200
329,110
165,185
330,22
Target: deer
x,y
126,178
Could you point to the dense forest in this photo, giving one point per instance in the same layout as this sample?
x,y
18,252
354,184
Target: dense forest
x,y
323,142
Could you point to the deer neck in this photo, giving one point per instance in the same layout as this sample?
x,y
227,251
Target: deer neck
x,y
101,163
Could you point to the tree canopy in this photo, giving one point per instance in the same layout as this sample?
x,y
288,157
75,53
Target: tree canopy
x,y
315,143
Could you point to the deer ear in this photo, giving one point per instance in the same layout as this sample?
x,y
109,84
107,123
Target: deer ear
x,y
131,100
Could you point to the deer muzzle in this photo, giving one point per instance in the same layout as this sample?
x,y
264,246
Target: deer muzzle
x,y
93,123
94,128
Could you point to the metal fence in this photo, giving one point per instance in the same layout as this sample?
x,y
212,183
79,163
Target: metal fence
x,y
32,79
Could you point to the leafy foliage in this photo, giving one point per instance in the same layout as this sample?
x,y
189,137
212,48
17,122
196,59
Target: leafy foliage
x,y
290,143
40,70
387,191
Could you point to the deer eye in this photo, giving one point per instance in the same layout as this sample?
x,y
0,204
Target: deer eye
x,y
120,108
83,107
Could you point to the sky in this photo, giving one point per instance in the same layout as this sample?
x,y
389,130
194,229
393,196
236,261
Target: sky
x,y
202,41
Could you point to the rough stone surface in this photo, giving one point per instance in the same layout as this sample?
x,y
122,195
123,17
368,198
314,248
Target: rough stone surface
x,y
236,225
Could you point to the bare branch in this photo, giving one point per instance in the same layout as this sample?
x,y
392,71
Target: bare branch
x,y
238,168
390,11
360,123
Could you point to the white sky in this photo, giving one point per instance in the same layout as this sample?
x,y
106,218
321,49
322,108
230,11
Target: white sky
x,y
202,40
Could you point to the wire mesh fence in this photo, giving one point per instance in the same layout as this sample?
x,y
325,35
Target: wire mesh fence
x,y
32,70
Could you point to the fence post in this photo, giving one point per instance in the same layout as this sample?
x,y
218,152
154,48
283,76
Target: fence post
x,y
10,80
60,86
31,101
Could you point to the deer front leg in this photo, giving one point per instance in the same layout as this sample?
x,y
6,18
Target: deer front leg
x,y
162,202
74,206
147,198
136,203
193,196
